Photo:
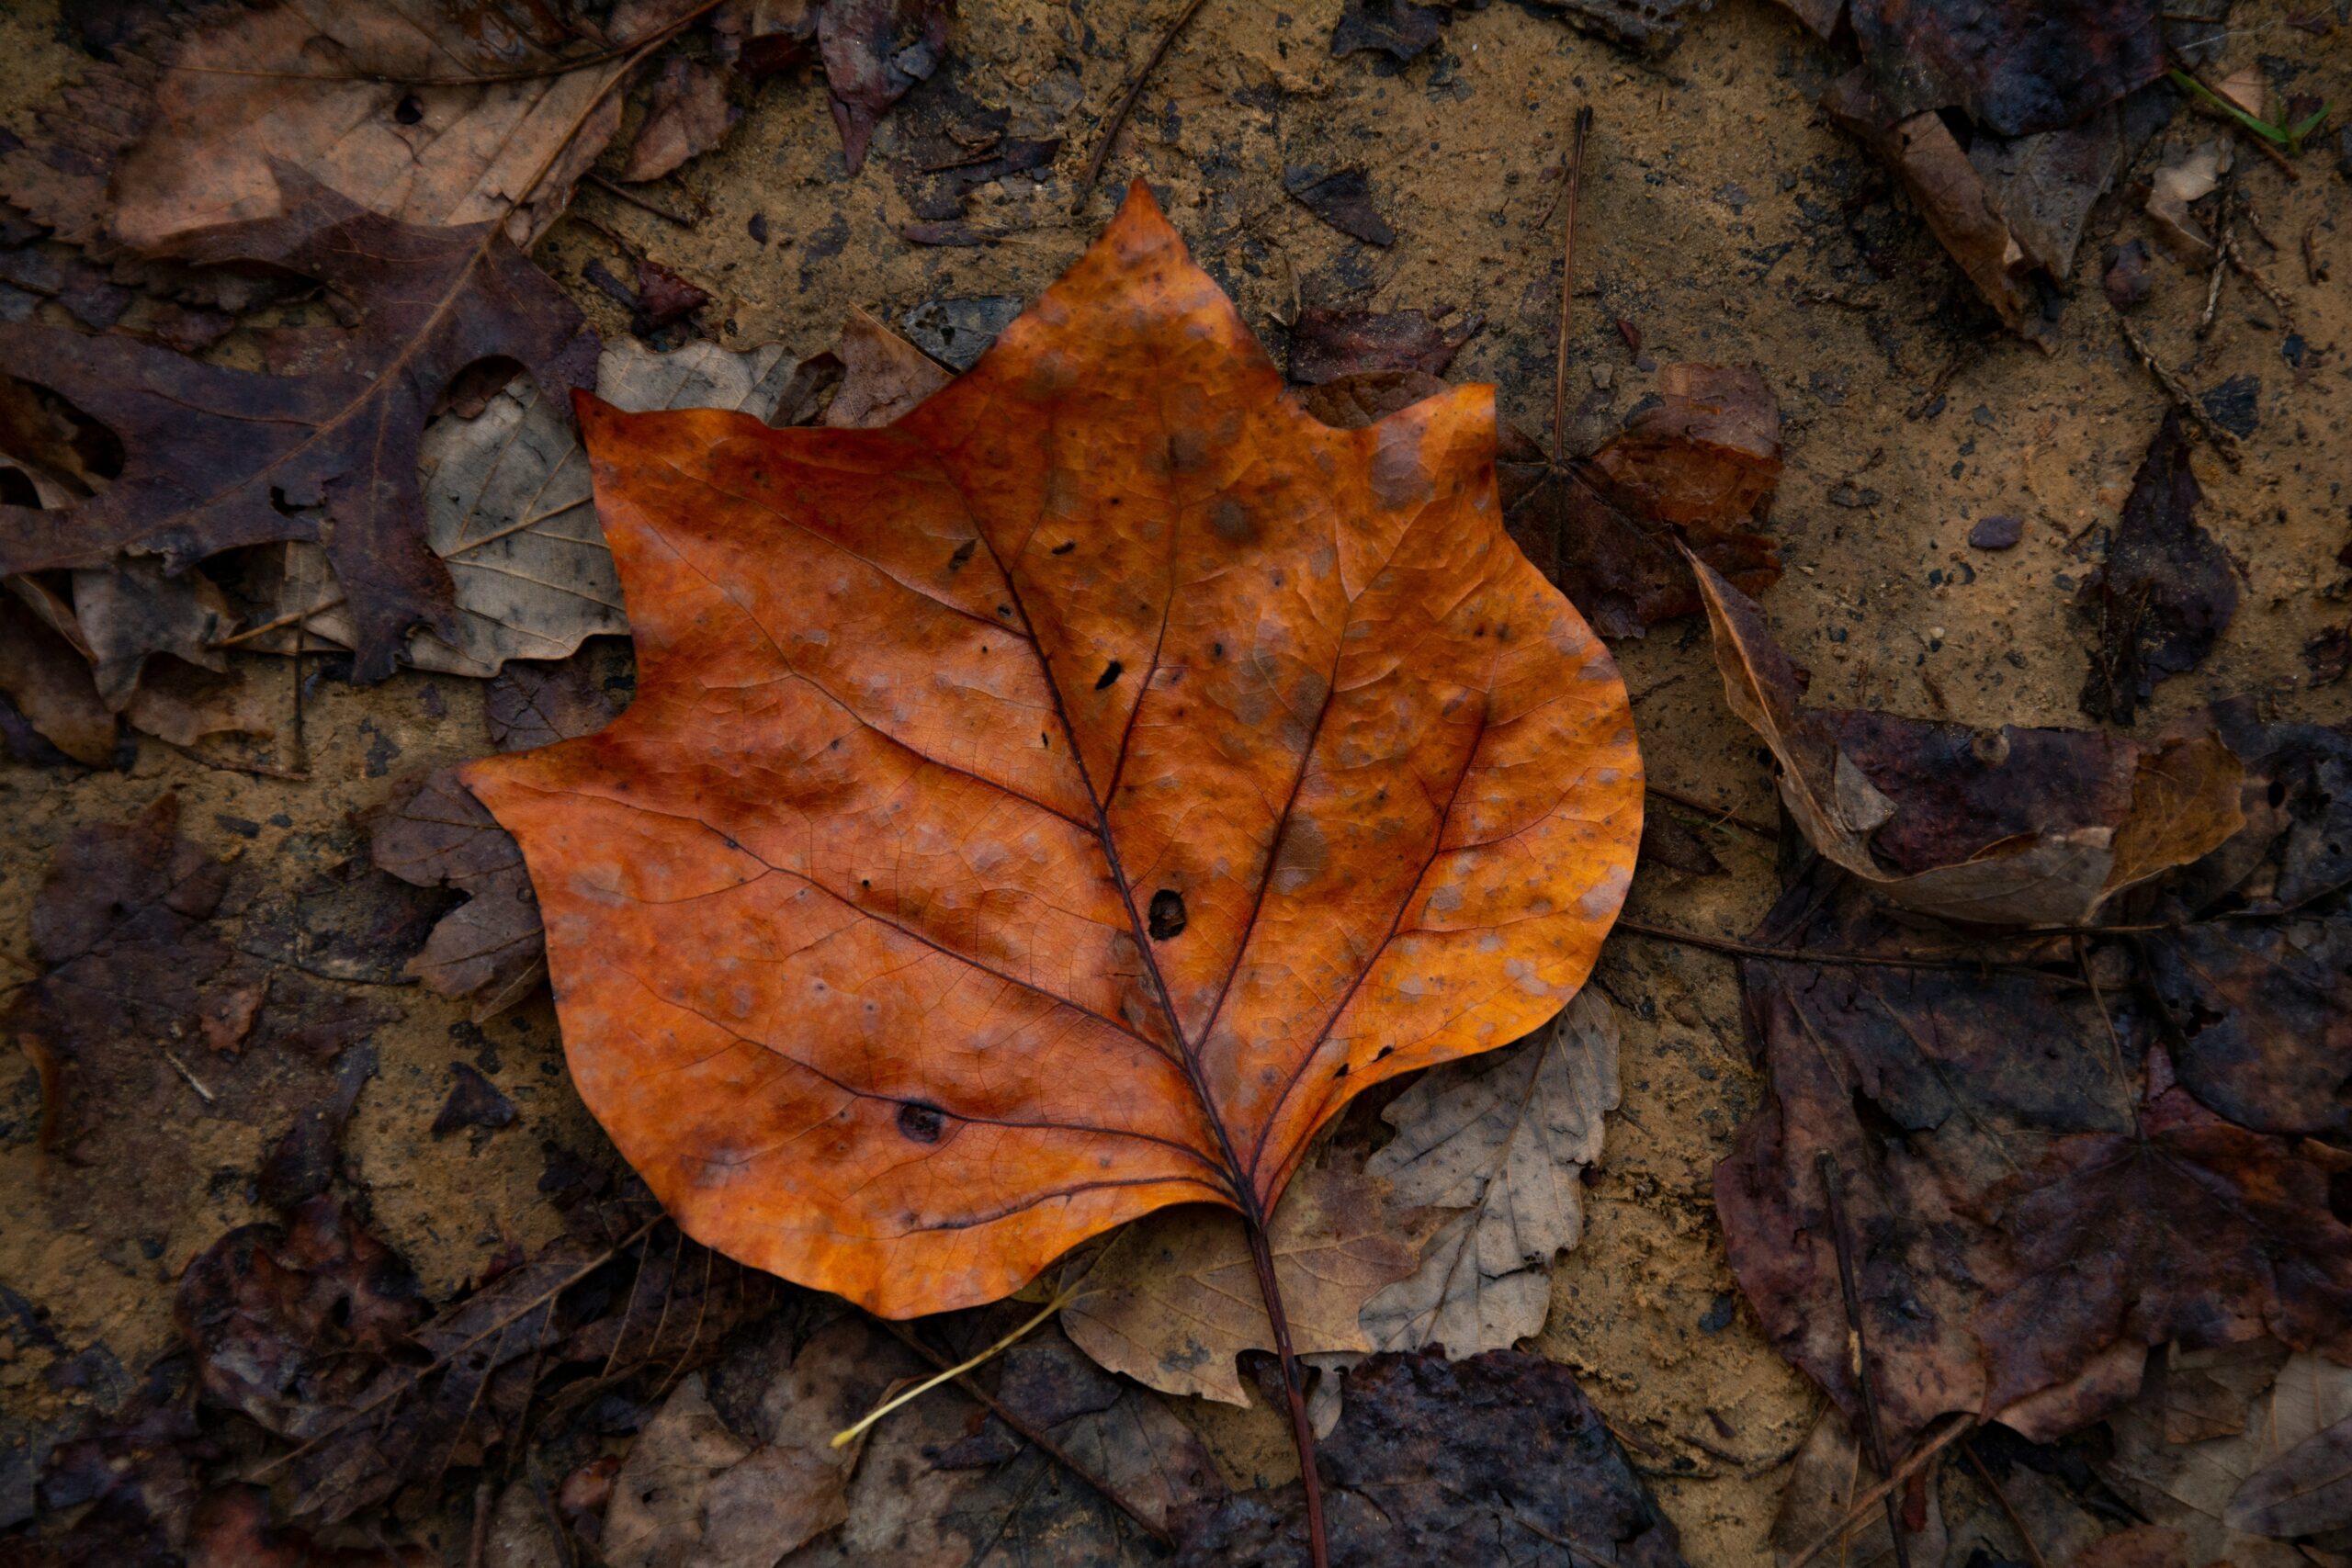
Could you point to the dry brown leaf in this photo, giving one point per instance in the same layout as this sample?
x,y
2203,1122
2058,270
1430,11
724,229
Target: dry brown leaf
x,y
882,376
2154,806
48,682
2189,1486
1173,1300
687,115
434,834
1506,1138
192,124
508,506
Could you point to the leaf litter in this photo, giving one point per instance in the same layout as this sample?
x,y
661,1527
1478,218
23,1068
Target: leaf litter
x,y
2221,939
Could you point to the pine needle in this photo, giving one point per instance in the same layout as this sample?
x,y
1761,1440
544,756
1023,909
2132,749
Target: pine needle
x,y
1063,1296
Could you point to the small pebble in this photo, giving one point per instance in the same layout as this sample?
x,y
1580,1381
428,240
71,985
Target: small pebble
x,y
1999,532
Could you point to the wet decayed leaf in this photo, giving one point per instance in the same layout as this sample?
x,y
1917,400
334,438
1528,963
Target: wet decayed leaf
x,y
434,834
218,459
1700,466
1496,1458
2166,591
2020,826
1188,652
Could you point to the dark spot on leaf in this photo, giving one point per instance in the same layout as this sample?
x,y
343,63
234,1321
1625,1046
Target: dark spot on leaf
x,y
1111,673
408,111
1167,918
922,1122
1065,548
956,562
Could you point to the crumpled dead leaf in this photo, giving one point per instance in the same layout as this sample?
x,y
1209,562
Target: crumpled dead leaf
x,y
1505,1139
874,52
1325,345
2021,827
1452,1465
2166,591
1173,1301
218,458
2032,1201
2182,1474
2191,177
433,833
1699,465
688,113
509,508
190,125
289,1323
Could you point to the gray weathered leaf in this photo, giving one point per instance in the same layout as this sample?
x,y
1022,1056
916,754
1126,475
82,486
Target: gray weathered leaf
x,y
1506,1138
1830,1471
2305,1491
2189,1486
508,504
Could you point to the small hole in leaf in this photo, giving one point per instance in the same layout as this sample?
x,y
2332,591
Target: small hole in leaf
x,y
408,111
922,1122
1166,918
1111,673
1065,547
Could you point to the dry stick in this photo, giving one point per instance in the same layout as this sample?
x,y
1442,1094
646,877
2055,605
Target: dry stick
x,y
2262,285
1119,115
478,1544
1036,1438
1574,191
1713,813
2221,244
2008,1510
1870,1499
1871,1427
1810,956
1301,1427
620,192
2225,443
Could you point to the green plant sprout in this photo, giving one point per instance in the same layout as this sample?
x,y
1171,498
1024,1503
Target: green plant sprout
x,y
2289,137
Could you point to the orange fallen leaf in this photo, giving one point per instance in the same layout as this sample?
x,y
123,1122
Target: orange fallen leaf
x,y
1057,804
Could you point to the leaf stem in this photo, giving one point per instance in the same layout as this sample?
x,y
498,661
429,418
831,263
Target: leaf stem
x,y
1302,1428
1872,1429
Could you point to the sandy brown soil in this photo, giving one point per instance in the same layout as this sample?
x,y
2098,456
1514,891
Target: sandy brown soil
x,y
1716,220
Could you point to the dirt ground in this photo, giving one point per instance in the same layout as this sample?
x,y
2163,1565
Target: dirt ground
x,y
1723,218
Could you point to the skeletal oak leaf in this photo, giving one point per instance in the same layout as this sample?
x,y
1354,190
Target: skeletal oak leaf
x,y
1057,804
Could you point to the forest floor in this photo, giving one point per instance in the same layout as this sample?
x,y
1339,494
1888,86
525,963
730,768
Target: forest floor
x,y
1724,219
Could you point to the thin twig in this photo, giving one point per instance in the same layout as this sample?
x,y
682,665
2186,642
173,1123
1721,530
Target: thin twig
x,y
1810,955
231,765
2223,441
620,192
2262,285
477,1543
193,1081
1712,813
1126,102
2221,268
2008,1510
1872,1429
1862,1504
1036,1438
287,619
1573,193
